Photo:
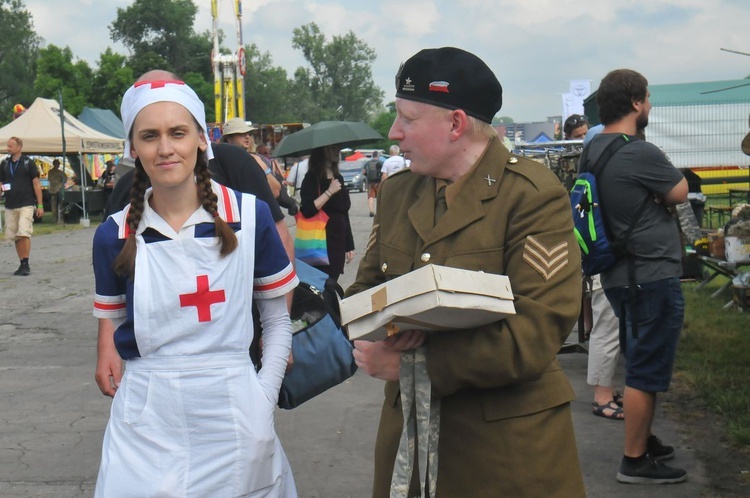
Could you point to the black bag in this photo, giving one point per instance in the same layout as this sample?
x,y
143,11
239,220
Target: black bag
x,y
373,169
284,199
287,202
321,349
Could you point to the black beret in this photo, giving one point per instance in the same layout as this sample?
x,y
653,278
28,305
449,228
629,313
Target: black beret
x,y
451,78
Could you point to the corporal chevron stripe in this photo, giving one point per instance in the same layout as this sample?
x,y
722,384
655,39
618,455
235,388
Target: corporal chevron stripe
x,y
546,261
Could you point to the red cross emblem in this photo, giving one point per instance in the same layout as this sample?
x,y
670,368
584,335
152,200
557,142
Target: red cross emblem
x,y
157,83
202,299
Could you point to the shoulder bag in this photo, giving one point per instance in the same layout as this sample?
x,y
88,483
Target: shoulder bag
x,y
321,349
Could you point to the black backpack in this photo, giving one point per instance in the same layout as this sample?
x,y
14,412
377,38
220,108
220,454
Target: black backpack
x,y
373,170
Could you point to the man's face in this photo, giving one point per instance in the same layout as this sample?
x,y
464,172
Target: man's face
x,y
13,147
579,133
241,139
422,131
641,121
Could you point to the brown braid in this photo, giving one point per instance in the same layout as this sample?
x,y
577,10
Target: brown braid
x,y
125,262
209,200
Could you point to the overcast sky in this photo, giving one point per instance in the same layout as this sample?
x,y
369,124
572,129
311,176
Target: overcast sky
x,y
535,47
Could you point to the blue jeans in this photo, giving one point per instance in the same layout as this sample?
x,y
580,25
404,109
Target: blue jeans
x,y
660,309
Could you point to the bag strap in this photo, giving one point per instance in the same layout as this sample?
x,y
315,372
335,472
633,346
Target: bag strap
x,y
603,160
335,315
621,141
613,147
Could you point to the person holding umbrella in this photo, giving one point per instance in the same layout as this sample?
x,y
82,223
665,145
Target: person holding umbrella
x,y
322,189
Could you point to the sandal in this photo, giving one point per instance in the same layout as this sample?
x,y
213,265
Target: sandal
x,y
618,398
616,411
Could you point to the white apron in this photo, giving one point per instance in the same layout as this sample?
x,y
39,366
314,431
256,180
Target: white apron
x,y
190,418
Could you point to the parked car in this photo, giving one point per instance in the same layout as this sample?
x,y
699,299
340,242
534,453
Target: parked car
x,y
352,173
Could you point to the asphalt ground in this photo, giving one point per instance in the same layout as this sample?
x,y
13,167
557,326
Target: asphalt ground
x,y
52,415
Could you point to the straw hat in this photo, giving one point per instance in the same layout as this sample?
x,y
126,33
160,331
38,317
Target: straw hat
x,y
237,125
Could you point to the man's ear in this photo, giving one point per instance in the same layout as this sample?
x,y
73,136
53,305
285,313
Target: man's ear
x,y
459,123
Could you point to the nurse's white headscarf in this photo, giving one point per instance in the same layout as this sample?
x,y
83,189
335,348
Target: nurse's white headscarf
x,y
143,93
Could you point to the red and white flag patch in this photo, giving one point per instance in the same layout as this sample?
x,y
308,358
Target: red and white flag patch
x,y
439,86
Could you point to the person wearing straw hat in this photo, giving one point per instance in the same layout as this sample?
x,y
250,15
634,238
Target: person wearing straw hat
x,y
190,415
237,132
493,416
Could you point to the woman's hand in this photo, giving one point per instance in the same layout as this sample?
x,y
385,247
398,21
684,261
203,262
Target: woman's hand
x,y
349,257
108,362
335,186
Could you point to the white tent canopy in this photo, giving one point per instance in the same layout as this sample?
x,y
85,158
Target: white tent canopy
x,y
39,128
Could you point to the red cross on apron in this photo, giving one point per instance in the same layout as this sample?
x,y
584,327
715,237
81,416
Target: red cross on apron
x,y
202,299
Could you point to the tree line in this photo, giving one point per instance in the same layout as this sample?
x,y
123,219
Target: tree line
x,y
336,83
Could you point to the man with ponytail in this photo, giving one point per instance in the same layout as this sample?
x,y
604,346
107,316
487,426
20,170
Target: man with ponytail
x,y
176,274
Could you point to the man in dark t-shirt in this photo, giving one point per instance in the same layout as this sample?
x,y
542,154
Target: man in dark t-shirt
x,y
19,177
637,177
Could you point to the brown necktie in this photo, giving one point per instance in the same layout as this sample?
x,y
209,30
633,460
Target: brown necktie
x,y
441,206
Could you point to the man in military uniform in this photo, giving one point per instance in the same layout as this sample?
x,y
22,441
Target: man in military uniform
x,y
505,425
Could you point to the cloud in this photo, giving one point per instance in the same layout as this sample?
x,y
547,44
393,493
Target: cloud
x,y
535,48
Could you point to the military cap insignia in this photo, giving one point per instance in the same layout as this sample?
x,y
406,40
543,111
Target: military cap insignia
x,y
439,86
547,261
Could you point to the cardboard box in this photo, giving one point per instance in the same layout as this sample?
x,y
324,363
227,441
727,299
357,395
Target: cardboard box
x,y
737,249
716,245
431,298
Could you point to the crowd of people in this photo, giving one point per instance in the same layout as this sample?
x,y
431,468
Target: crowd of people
x,y
194,239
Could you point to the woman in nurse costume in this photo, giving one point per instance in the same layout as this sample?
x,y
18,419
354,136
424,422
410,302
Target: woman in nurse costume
x,y
176,273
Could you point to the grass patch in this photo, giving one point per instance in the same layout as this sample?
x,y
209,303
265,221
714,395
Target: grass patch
x,y
47,226
713,357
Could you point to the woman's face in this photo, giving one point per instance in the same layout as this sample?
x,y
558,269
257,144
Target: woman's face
x,y
332,153
166,138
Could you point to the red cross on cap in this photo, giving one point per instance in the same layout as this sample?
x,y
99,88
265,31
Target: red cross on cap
x,y
158,83
202,298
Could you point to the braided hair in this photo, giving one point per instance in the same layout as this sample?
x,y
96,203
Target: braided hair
x,y
125,262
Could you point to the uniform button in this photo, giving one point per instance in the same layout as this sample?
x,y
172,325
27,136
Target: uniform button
x,y
512,160
425,257
384,267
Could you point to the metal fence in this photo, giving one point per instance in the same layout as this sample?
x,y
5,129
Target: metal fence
x,y
705,138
